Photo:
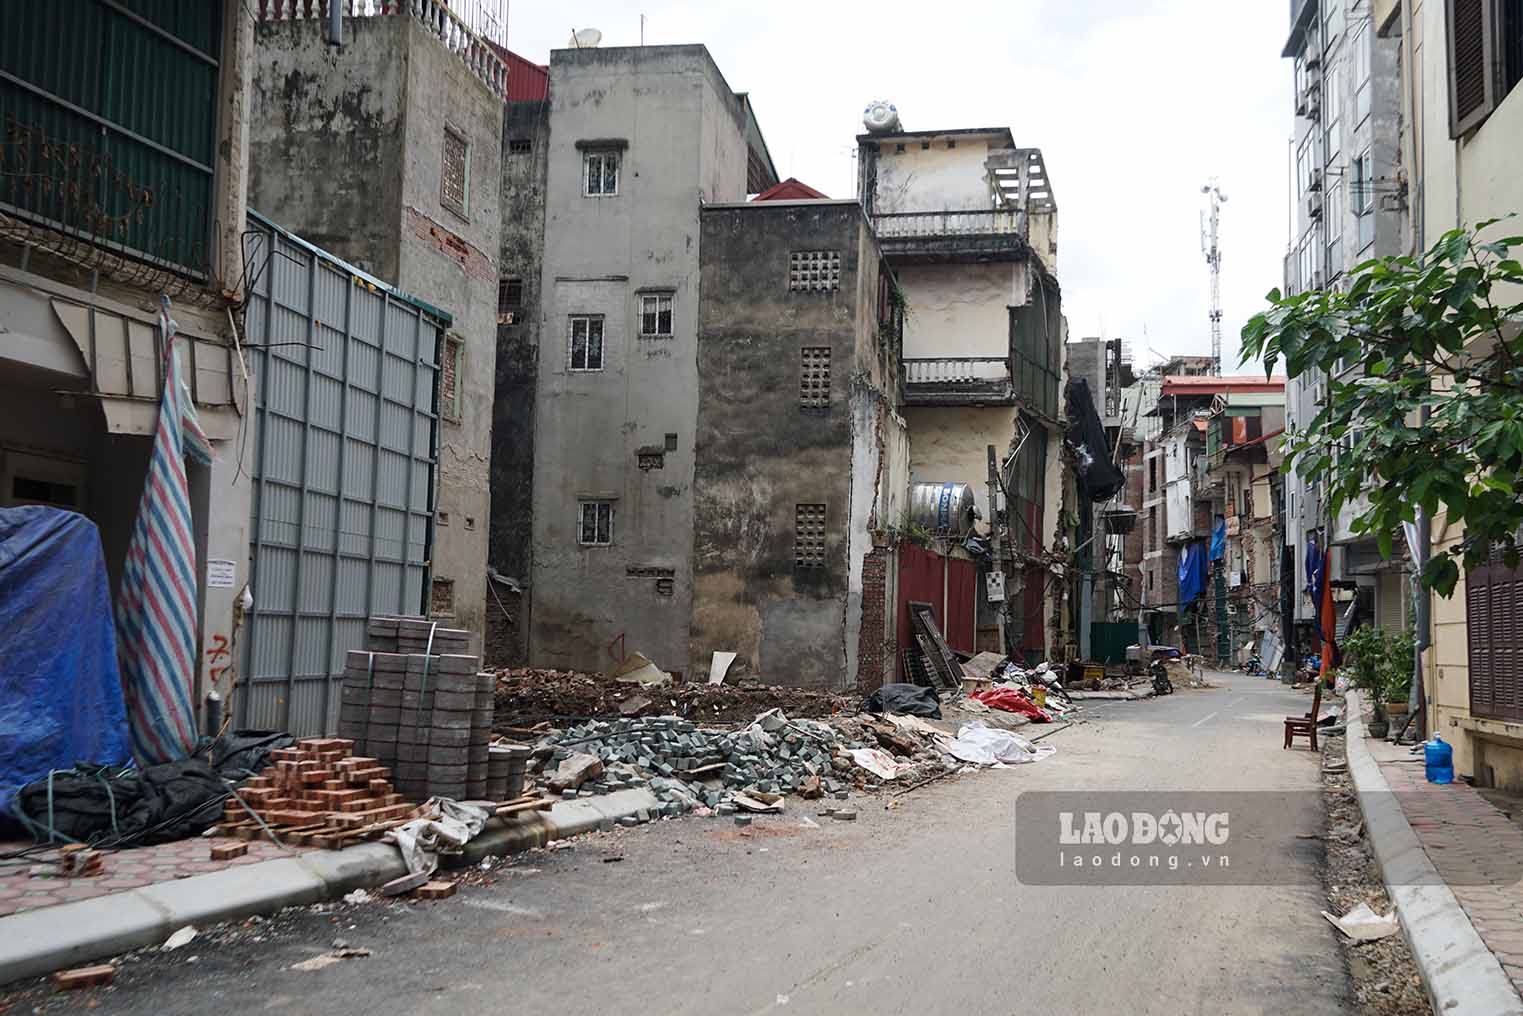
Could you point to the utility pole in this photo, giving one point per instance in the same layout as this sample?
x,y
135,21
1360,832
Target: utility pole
x,y
995,543
1211,247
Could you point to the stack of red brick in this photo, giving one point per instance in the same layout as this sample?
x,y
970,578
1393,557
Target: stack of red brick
x,y
321,781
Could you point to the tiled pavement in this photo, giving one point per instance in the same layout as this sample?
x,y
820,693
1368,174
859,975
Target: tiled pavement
x,y
22,890
1477,850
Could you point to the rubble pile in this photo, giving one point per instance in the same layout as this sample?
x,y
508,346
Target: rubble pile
x,y
687,766
527,696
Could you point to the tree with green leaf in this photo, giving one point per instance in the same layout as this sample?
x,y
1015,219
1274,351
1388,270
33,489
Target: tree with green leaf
x,y
1443,333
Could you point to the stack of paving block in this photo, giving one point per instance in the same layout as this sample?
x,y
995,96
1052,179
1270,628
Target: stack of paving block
x,y
418,701
320,783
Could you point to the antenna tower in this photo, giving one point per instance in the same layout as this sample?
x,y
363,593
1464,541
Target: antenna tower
x,y
1211,247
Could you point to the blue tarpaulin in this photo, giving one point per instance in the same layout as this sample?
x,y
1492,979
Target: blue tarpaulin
x,y
1219,539
60,691
1192,573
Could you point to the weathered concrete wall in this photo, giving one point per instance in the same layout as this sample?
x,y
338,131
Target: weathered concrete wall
x,y
935,178
761,454
661,105
326,135
948,445
961,310
347,151
451,261
518,337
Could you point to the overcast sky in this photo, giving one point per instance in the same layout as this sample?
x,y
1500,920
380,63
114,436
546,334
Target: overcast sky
x,y
1134,103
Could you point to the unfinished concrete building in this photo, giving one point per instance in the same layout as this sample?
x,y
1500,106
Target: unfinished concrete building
x,y
386,151
968,222
802,455
640,139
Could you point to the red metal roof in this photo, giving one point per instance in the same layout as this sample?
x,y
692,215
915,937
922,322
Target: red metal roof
x,y
1180,384
791,189
527,81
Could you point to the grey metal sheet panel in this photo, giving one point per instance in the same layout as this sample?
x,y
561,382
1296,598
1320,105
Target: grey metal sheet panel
x,y
343,470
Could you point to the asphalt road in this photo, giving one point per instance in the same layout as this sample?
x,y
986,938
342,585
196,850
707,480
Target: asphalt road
x,y
910,910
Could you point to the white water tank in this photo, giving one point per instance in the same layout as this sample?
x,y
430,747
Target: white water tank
x,y
880,117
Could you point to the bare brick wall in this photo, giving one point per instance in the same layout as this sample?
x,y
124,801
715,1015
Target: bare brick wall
x,y
872,640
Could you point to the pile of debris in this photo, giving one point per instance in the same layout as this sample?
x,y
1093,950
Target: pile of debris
x,y
526,697
690,767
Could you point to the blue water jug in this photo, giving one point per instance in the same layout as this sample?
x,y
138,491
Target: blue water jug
x,y
1438,759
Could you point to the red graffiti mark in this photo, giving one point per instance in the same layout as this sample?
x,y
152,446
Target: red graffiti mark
x,y
218,650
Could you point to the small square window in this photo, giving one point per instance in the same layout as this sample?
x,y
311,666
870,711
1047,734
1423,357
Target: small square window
x,y
809,536
671,442
594,523
898,149
510,295
814,377
586,342
656,315
450,372
454,177
925,146
951,144
814,270
600,176
520,146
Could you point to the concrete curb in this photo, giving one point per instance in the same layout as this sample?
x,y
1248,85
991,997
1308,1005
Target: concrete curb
x,y
1461,974
38,942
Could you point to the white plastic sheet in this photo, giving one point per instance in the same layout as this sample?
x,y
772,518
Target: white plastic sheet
x,y
986,746
451,826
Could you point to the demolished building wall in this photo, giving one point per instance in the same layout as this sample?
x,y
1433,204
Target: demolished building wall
x,y
798,443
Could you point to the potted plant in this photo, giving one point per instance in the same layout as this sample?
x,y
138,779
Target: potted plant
x,y
1364,653
1399,651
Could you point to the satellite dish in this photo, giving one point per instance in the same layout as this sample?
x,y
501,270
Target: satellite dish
x,y
586,38
880,117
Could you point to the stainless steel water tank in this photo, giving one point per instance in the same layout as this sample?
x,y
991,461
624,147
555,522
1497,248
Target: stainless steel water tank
x,y
943,508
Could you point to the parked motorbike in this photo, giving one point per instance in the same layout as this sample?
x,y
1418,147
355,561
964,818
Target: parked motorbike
x,y
1161,683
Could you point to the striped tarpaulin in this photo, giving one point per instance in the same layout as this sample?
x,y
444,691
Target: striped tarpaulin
x,y
156,607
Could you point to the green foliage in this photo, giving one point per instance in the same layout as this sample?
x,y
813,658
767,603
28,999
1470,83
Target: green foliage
x,y
907,530
1434,333
1380,662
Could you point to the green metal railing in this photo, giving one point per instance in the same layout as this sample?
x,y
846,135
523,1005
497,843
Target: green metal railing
x,y
108,112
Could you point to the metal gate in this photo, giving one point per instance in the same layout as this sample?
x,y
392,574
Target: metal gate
x,y
346,439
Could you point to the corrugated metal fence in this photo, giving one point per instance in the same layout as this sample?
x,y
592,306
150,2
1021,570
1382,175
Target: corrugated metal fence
x,y
345,372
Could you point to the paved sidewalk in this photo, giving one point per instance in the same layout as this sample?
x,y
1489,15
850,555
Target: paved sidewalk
x,y
1476,849
28,883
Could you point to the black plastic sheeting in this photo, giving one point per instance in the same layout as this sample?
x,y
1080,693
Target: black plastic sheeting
x,y
1099,479
905,699
108,806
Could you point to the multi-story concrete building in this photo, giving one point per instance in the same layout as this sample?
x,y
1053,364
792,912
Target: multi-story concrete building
x,y
1459,87
386,151
968,222
124,179
640,140
1350,206
802,455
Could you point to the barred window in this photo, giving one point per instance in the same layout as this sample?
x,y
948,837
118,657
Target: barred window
x,y
809,536
814,270
454,178
587,342
814,377
656,315
601,176
594,523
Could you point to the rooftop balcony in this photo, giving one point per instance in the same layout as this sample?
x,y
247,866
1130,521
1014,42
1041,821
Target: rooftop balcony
x,y
958,381
951,235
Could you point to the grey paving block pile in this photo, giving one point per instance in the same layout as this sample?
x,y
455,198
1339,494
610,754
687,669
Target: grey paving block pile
x,y
425,715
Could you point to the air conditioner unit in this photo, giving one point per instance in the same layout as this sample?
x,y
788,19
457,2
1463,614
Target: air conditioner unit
x,y
1314,205
1314,180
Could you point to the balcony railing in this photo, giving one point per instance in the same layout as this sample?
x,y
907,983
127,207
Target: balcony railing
x,y
949,222
957,380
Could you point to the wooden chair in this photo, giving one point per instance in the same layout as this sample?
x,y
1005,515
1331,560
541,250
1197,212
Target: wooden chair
x,y
1305,726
